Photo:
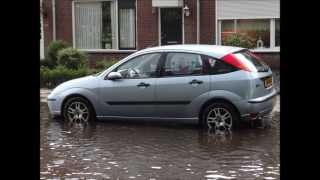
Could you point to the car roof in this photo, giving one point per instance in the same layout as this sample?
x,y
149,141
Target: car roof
x,y
216,51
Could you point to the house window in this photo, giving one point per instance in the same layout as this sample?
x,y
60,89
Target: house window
x,y
127,24
227,28
259,30
105,24
256,29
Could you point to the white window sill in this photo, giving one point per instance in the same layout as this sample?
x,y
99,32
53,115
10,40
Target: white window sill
x,y
107,51
266,50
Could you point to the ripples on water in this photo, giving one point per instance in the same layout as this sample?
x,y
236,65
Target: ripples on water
x,y
141,150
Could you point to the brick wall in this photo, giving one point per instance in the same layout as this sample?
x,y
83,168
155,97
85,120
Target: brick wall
x,y
147,24
47,23
207,21
271,58
190,23
64,20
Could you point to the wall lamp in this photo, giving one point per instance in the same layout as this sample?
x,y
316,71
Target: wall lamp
x,y
186,10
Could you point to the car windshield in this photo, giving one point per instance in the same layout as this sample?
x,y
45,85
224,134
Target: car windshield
x,y
249,58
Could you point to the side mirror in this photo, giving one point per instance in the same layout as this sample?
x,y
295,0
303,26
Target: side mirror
x,y
114,76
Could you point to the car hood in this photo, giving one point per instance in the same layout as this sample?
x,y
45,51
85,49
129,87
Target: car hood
x,y
83,82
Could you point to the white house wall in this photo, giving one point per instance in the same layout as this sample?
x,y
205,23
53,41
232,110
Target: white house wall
x,y
248,9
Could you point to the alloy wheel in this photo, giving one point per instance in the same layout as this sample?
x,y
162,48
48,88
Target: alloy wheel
x,y
219,119
78,112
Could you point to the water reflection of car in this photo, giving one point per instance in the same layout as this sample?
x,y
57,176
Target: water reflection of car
x,y
217,85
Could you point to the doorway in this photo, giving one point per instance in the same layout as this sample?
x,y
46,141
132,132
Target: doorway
x,y
171,26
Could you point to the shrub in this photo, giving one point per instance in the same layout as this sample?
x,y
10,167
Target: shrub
x,y
240,40
44,76
46,63
105,63
52,77
53,49
72,58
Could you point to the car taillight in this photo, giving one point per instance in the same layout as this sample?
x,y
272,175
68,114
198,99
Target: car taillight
x,y
234,61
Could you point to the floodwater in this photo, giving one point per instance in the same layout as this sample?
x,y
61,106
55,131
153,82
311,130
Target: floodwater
x,y
156,150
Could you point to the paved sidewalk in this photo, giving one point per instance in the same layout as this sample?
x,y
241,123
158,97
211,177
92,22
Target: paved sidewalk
x,y
44,94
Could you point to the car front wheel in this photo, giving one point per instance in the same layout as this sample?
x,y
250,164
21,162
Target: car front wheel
x,y
78,109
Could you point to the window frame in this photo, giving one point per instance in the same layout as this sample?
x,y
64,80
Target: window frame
x,y
272,26
118,49
157,68
163,61
135,27
275,19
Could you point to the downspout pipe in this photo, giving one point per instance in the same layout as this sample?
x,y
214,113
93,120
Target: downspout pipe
x,y
198,22
54,20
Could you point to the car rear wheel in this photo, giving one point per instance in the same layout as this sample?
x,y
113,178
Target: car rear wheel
x,y
220,116
78,109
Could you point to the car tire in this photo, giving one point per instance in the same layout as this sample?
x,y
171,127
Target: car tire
x,y
83,110
223,108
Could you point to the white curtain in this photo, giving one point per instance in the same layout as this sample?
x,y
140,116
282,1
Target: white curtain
x,y
88,25
114,27
127,28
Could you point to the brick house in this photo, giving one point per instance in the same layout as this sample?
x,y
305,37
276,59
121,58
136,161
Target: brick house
x,y
116,28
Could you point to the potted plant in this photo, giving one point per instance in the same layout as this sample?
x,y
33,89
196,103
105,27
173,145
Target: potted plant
x,y
240,40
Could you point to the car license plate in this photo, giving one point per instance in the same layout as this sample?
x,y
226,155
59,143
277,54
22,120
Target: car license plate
x,y
268,82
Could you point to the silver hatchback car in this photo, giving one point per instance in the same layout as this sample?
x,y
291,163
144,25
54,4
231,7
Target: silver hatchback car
x,y
218,86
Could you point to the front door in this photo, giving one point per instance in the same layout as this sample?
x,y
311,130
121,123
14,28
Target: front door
x,y
171,26
134,94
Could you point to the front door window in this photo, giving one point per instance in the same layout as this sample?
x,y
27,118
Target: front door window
x,y
144,66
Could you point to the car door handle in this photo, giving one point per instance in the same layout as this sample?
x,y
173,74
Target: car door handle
x,y
142,84
195,81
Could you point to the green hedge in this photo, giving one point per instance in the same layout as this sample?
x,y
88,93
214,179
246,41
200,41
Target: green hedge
x,y
53,50
50,78
72,58
70,64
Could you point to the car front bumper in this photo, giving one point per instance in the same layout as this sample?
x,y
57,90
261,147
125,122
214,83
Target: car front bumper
x,y
54,104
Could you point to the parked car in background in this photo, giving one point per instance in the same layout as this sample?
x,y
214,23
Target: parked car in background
x,y
219,86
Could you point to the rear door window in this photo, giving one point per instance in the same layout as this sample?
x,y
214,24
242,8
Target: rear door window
x,y
182,64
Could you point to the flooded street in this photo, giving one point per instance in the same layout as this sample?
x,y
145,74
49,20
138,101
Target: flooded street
x,y
155,150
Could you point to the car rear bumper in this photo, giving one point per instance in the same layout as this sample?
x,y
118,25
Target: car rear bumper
x,y
263,98
259,108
